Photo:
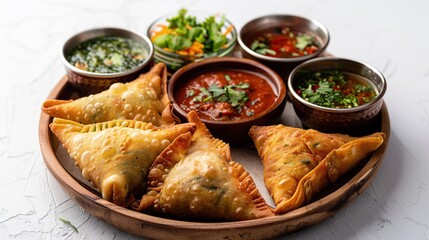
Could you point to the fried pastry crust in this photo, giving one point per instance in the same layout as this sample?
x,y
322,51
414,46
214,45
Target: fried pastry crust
x,y
116,155
299,163
144,99
195,178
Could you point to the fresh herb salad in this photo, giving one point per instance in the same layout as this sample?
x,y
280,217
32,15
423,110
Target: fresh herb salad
x,y
185,35
335,89
107,55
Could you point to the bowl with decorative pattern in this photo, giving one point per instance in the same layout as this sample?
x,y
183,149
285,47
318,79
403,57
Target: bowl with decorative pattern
x,y
337,94
96,58
282,41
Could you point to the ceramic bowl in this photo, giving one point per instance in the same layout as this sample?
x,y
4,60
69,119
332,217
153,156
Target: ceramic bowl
x,y
234,132
258,27
92,82
173,60
358,120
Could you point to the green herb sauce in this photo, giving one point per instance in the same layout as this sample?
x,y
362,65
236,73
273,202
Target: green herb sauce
x,y
335,89
107,55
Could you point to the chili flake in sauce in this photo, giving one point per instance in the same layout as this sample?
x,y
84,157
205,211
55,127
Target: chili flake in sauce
x,y
284,43
335,89
107,55
226,95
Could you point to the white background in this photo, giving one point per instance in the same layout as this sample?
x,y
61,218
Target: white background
x,y
391,35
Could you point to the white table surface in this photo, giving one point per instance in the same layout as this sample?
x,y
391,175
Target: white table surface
x,y
391,35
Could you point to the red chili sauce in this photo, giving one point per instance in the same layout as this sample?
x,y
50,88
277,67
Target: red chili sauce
x,y
226,95
284,43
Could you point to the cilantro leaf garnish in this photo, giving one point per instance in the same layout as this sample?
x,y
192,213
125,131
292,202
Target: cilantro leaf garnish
x,y
324,88
236,97
331,88
261,48
190,93
68,223
303,41
232,94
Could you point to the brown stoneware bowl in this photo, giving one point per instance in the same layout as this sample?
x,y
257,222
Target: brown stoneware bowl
x,y
359,120
263,25
231,131
87,82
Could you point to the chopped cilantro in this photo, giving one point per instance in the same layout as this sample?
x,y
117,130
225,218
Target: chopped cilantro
x,y
331,88
303,41
261,48
190,93
68,223
229,93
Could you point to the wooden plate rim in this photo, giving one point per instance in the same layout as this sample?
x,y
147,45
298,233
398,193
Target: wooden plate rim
x,y
341,196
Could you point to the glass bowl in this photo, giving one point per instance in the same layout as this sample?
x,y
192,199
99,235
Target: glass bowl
x,y
173,60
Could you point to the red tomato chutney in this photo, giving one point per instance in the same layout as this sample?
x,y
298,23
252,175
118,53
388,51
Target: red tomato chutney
x,y
284,43
226,94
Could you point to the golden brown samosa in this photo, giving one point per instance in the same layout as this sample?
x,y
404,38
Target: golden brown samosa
x,y
299,163
195,178
115,155
144,99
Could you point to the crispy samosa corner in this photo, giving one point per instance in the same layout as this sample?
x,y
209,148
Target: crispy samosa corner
x,y
144,99
299,163
116,155
195,178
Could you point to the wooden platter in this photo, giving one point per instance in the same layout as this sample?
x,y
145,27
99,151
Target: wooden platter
x,y
328,202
